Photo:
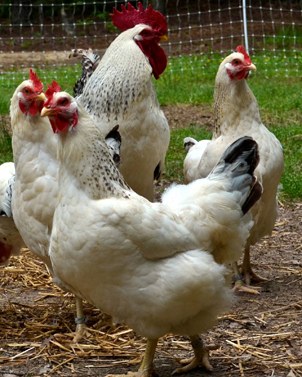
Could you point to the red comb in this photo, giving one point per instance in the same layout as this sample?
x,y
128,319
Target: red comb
x,y
36,81
52,88
129,17
242,50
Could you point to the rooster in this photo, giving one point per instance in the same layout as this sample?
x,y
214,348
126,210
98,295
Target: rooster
x,y
236,114
158,267
121,91
10,239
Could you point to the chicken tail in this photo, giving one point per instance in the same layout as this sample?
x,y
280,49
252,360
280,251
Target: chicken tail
x,y
189,142
113,140
90,61
238,163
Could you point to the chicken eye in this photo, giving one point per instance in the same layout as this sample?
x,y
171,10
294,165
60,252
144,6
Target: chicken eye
x,y
63,102
27,91
236,62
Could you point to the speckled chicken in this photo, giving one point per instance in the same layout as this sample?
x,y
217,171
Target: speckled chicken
x,y
158,267
236,114
120,91
10,239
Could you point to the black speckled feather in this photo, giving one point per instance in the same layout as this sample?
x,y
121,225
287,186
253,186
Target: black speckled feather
x,y
90,61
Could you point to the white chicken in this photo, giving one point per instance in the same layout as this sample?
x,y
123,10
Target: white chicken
x,y
120,91
7,177
236,114
193,158
10,239
155,266
35,192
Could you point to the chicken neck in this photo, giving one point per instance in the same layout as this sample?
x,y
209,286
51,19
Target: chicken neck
x,y
93,167
235,106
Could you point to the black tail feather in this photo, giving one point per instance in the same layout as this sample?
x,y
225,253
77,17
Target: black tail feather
x,y
244,147
241,159
253,197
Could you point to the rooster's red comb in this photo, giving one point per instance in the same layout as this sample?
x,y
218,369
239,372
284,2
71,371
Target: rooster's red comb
x,y
52,88
36,81
128,17
242,50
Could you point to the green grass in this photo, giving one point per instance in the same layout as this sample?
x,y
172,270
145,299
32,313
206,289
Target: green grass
x,y
190,80
5,147
291,140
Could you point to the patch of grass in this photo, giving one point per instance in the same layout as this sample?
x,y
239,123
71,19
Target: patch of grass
x,y
291,140
5,146
188,79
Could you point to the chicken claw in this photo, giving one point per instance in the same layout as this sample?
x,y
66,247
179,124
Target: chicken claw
x,y
249,275
146,369
240,286
247,271
80,333
200,358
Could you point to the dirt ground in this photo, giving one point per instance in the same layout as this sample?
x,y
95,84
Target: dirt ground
x,y
260,336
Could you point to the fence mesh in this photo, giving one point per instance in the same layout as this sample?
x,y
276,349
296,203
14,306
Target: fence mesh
x,y
41,35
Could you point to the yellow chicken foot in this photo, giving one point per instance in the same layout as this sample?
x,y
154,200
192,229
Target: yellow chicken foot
x,y
81,327
200,358
146,368
240,285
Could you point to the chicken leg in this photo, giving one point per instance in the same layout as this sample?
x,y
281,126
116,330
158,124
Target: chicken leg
x,y
240,285
146,368
247,272
243,279
200,358
80,320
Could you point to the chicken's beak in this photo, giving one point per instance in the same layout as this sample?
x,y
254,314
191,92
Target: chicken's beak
x,y
46,111
41,97
252,67
164,38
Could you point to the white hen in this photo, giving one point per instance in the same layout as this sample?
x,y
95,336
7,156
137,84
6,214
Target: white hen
x,y
7,177
10,239
34,149
35,192
147,264
120,91
237,114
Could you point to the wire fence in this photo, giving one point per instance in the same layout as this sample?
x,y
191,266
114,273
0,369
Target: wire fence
x,y
41,36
